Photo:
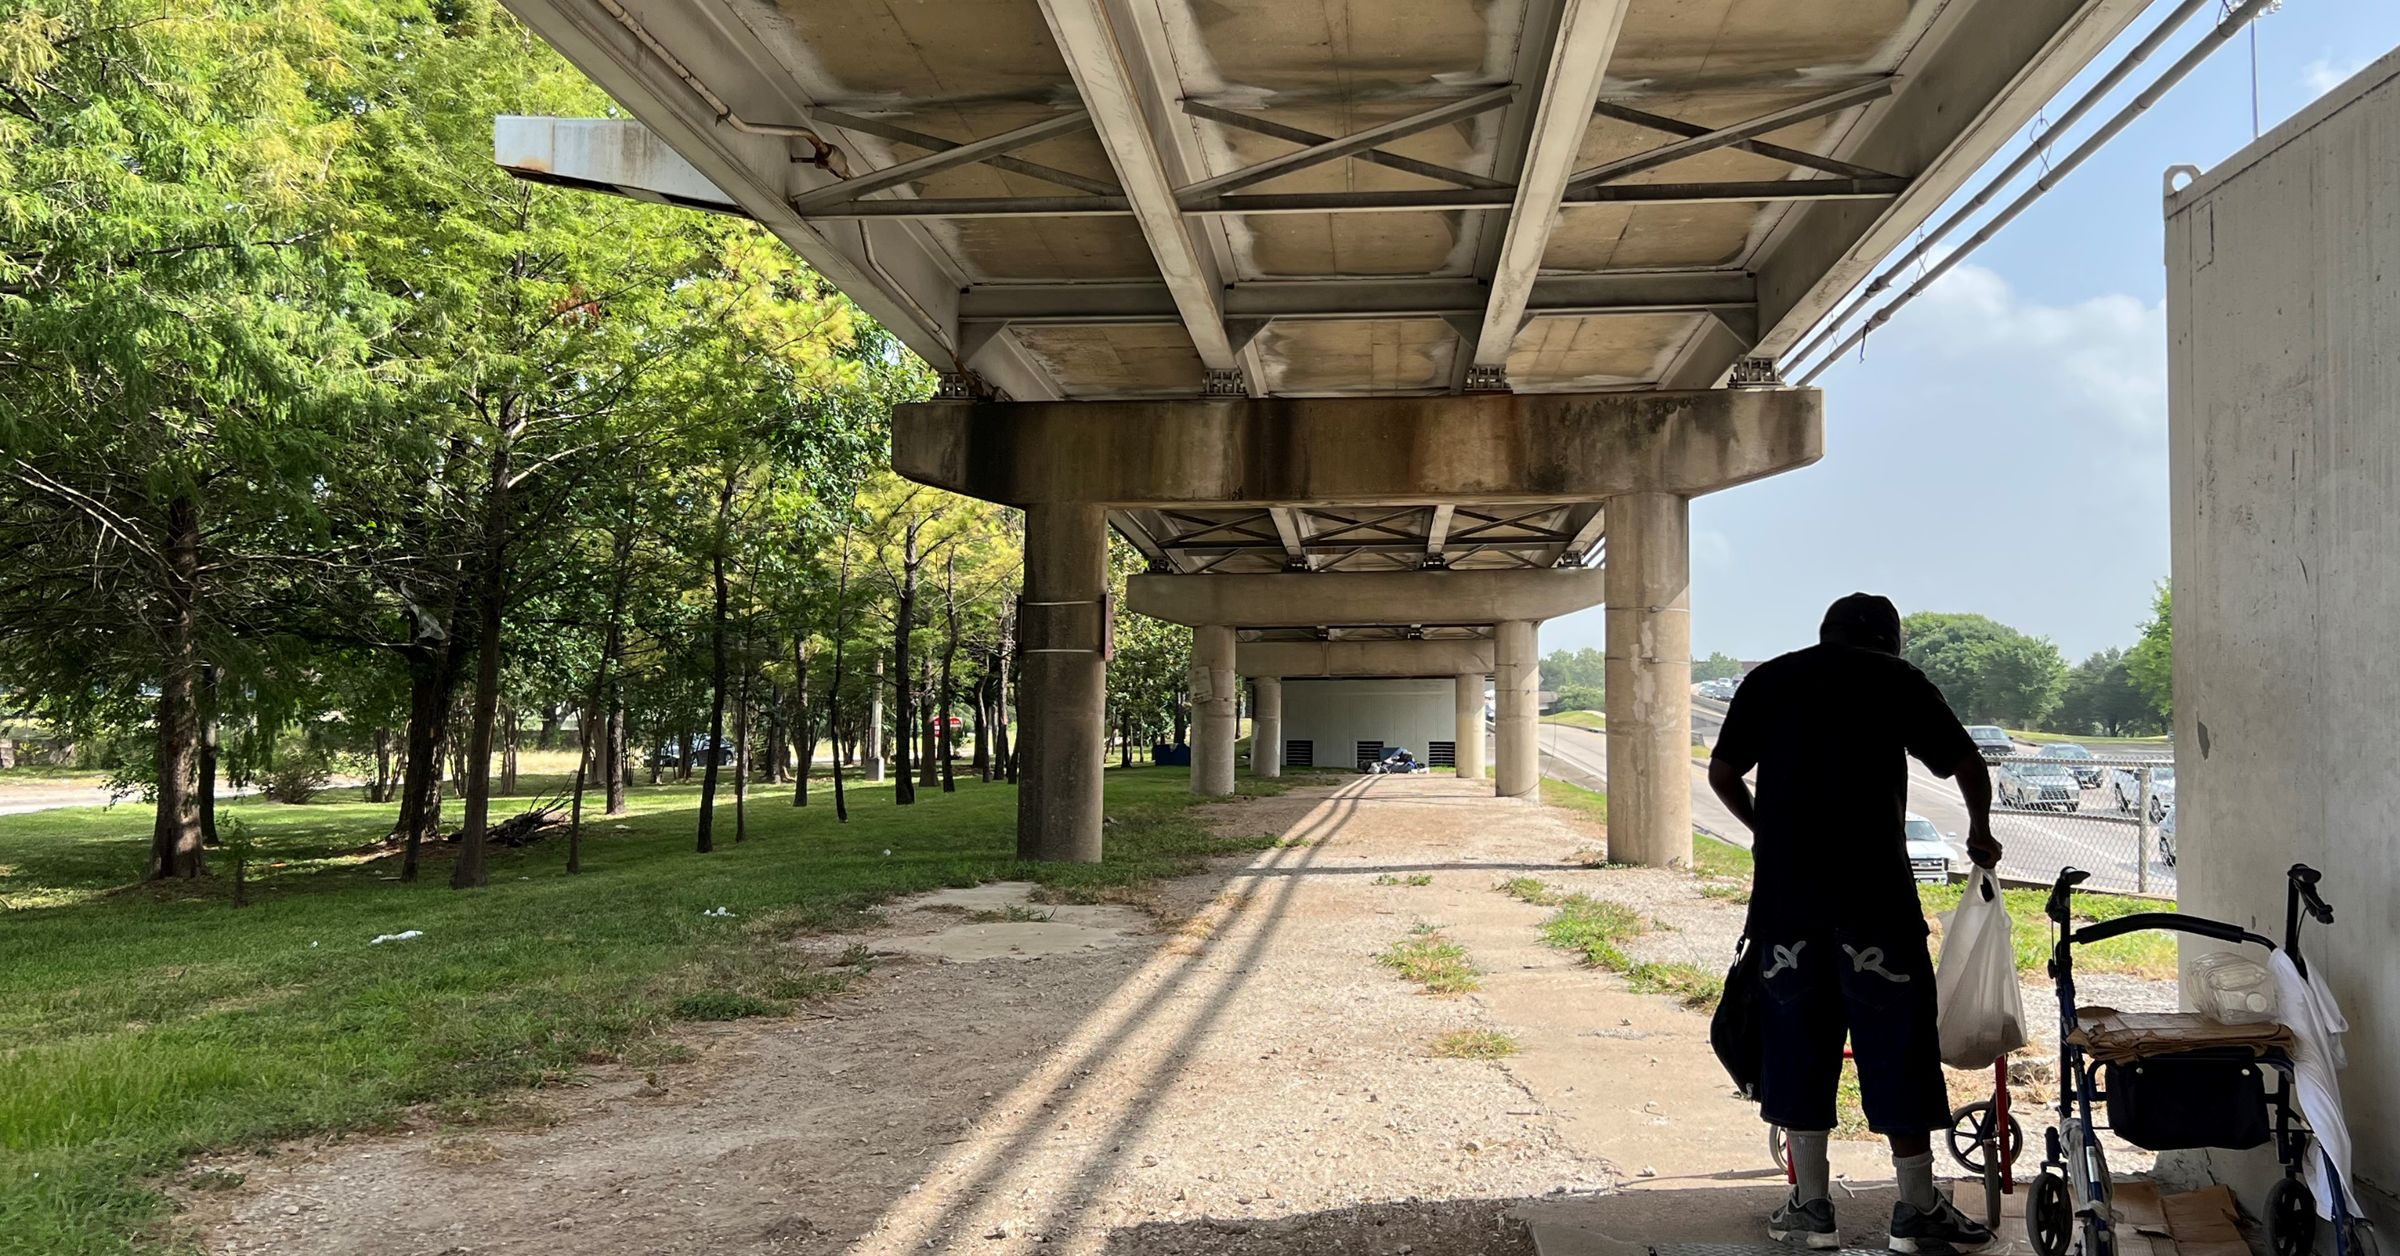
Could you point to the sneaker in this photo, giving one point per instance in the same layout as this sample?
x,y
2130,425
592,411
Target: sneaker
x,y
1809,1224
1945,1231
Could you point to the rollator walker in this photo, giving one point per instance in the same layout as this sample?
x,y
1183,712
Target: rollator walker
x,y
2175,1081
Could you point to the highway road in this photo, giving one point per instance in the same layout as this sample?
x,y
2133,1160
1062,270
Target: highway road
x,y
2035,843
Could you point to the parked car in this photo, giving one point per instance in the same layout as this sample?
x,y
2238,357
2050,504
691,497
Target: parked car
x,y
1992,740
1931,857
2126,784
2039,786
2087,774
2166,838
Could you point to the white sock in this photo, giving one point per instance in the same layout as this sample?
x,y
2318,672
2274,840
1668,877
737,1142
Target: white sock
x,y
1916,1181
1813,1173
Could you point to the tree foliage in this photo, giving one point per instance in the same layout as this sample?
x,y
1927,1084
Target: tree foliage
x,y
1989,672
2151,661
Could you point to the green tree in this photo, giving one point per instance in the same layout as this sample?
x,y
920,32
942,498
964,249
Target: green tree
x,y
180,344
2151,661
2101,697
1987,670
1717,666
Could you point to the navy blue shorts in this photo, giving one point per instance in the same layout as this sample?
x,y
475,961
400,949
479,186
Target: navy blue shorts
x,y
1875,990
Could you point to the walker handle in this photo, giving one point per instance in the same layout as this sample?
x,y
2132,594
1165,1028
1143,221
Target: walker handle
x,y
2062,894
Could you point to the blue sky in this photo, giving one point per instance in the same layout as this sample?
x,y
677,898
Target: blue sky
x,y
2001,448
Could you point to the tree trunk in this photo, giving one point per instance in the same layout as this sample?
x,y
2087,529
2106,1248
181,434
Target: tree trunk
x,y
547,738
833,692
800,720
491,606
983,725
620,775
771,771
433,670
508,752
175,846
381,789
598,752
928,772
741,754
1124,741
949,692
208,754
1003,753
717,666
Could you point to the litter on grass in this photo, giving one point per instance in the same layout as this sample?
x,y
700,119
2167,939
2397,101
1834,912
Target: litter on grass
x,y
719,912
382,938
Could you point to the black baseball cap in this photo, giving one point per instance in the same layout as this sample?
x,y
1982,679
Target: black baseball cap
x,y
1867,620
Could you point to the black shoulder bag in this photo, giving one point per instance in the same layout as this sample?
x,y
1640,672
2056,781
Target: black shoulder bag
x,y
1735,1031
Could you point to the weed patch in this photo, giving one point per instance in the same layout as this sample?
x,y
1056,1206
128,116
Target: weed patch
x,y
1474,1044
1432,961
1414,878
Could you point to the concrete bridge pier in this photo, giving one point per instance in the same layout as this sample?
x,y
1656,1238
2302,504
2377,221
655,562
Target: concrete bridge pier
x,y
1517,708
1063,693
1649,680
1266,726
1213,719
1469,734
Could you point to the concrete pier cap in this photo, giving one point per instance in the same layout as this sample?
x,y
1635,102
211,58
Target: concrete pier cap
x,y
1506,447
1309,660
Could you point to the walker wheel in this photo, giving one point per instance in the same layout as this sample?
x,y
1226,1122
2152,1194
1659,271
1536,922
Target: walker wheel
x,y
1971,1132
2291,1214
2049,1214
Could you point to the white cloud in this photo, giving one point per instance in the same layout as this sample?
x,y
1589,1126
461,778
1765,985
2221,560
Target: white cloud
x,y
2106,353
2326,73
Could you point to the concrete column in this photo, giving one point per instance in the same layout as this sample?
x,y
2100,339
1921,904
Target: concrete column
x,y
1517,703
1062,692
1213,720
1266,727
1649,680
1469,733
870,750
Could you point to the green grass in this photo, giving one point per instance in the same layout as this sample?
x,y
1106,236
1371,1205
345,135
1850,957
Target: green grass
x,y
1578,719
1414,878
1432,961
140,1025
1474,1044
2150,954
1593,928
1720,859
1586,804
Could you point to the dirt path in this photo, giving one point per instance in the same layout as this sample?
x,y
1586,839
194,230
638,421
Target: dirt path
x,y
1237,1076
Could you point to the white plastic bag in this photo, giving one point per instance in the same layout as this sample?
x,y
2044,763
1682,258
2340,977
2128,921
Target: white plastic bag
x,y
1982,1016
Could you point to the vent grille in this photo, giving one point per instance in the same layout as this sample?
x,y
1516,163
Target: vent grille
x,y
1300,754
1441,754
1368,752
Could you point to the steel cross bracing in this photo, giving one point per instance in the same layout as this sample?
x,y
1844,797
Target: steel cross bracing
x,y
1399,538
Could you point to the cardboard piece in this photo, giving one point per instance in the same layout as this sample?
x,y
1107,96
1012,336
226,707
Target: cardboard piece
x,y
2206,1222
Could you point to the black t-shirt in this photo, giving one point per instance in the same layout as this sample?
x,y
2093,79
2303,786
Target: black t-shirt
x,y
1827,727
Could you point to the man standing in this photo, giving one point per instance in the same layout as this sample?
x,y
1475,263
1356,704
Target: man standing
x,y
1834,925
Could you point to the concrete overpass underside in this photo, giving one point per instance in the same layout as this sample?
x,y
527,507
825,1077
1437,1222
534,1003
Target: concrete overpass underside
x,y
1402,291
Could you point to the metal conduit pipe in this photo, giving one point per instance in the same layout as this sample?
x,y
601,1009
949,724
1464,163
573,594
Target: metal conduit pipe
x,y
2084,104
827,156
2165,82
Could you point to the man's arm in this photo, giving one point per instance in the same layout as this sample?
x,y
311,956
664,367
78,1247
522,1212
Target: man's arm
x,y
1975,786
1734,792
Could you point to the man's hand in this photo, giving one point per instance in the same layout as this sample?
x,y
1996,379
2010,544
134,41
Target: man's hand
x,y
1982,847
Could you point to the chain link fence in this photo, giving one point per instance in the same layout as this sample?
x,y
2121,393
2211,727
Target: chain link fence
x,y
2112,817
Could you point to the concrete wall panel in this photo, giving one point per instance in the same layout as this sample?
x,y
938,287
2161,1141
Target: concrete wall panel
x,y
1335,715
2284,386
